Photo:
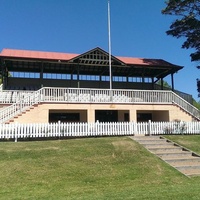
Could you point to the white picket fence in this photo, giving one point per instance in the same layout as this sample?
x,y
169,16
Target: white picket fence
x,y
50,130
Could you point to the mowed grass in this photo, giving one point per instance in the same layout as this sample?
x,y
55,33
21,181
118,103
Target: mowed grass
x,y
91,168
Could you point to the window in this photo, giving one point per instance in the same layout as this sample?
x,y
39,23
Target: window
x,y
105,78
25,74
119,78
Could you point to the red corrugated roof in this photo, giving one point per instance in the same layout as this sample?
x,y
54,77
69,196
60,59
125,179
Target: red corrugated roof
x,y
68,56
144,61
37,54
130,60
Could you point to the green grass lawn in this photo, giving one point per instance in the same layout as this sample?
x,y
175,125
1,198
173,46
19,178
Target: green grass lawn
x,y
92,168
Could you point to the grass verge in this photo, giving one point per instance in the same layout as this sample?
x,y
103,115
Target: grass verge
x,y
92,168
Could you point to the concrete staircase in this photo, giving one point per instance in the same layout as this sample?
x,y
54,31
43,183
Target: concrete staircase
x,y
182,159
22,114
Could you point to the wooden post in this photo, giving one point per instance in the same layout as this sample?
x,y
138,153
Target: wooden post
x,y
172,78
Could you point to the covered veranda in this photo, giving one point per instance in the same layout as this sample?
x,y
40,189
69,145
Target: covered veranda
x,y
31,70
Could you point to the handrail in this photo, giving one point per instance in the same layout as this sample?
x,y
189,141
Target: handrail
x,y
182,103
87,95
12,96
19,106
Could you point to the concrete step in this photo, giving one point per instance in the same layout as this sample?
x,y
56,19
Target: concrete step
x,y
188,162
165,145
190,167
191,172
173,160
152,142
168,149
174,155
137,138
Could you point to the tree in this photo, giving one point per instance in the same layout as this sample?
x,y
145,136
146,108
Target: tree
x,y
186,25
165,84
196,104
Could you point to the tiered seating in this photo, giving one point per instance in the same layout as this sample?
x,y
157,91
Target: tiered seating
x,y
121,98
5,97
29,88
84,97
13,96
102,98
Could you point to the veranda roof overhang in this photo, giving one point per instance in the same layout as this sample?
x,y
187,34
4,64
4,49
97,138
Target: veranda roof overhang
x,y
93,62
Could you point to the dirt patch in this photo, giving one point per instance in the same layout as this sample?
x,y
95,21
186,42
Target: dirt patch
x,y
124,145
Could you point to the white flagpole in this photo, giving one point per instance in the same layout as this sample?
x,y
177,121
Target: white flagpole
x,y
109,45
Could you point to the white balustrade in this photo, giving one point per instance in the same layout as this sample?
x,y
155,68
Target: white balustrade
x,y
22,100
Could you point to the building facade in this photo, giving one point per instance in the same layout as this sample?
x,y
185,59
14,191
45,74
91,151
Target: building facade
x,y
49,87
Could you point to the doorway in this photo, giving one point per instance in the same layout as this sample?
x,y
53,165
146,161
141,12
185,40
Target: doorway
x,y
106,115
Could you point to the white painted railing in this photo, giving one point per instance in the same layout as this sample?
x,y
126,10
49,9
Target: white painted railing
x,y
13,96
59,130
81,95
78,95
19,106
1,87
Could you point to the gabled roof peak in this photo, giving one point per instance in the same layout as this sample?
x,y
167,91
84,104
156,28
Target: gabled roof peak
x,y
96,56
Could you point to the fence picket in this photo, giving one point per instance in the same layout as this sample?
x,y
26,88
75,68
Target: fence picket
x,y
17,130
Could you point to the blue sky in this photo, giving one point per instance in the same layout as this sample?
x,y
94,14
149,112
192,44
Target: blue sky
x,y
76,26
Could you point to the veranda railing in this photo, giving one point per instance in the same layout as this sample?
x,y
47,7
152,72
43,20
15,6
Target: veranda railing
x,y
60,130
79,95
19,106
13,96
82,95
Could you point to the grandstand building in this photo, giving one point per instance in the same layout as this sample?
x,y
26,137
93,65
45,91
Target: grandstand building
x,y
41,87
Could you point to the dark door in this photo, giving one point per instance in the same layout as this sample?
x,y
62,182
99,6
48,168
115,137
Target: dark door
x,y
106,115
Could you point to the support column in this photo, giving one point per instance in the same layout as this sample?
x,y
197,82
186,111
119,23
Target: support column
x,y
1,69
4,75
161,83
91,115
143,81
172,78
78,81
133,115
41,74
100,80
152,83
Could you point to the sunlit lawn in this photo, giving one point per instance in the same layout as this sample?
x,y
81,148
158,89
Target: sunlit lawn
x,y
92,168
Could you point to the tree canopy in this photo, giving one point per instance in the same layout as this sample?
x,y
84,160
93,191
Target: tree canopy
x,y
187,25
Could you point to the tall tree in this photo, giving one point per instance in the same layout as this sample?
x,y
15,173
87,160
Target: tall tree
x,y
186,25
